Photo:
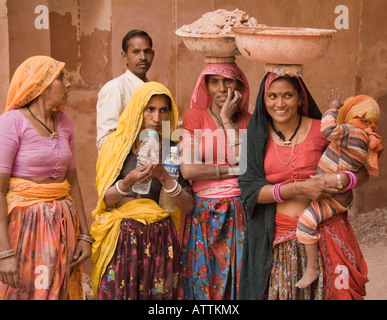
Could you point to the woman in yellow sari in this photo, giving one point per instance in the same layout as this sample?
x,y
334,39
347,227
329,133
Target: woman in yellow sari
x,y
41,208
136,250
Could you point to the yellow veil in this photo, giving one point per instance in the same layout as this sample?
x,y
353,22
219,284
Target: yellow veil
x,y
106,226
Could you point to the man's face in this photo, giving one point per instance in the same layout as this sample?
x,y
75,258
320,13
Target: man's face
x,y
139,56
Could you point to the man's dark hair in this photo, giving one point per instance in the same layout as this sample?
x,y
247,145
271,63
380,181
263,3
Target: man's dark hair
x,y
135,33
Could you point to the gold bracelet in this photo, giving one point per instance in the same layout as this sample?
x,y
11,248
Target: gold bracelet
x,y
86,238
7,253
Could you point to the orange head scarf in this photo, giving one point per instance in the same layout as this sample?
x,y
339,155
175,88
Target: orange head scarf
x,y
30,79
363,112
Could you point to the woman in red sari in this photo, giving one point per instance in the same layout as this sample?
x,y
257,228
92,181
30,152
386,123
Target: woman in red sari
x,y
284,146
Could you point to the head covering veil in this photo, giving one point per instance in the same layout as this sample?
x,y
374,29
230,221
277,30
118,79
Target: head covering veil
x,y
257,254
106,226
363,112
200,97
30,79
117,146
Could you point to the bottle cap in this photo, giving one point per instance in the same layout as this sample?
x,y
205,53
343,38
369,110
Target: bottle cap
x,y
152,133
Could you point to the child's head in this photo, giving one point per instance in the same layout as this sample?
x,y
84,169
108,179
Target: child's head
x,y
359,107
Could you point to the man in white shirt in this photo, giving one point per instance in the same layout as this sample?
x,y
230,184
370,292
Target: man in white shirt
x,y
114,96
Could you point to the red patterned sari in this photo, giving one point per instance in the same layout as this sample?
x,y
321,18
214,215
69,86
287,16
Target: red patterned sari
x,y
343,268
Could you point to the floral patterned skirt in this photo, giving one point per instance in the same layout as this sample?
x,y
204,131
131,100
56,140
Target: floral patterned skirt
x,y
289,265
146,264
212,248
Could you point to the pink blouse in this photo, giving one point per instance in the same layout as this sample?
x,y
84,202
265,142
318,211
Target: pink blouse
x,y
24,153
303,162
213,148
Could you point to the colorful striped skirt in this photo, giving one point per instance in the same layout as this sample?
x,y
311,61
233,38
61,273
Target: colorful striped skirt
x,y
212,248
43,236
146,264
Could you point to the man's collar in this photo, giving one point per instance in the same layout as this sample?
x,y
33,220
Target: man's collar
x,y
133,77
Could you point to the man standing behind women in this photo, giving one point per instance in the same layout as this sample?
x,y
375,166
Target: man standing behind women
x,y
114,96
283,146
41,207
214,230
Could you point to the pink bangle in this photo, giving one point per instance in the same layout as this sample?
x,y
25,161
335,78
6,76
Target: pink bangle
x,y
276,193
352,180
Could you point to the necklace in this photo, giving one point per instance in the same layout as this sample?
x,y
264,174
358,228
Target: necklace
x,y
291,154
53,133
217,119
281,135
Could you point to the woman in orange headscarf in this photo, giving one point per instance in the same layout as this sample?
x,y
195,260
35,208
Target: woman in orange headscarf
x,y
44,235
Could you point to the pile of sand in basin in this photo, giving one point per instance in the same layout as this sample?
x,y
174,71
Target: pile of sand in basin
x,y
220,22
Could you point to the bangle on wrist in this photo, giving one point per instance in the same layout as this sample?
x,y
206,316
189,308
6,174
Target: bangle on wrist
x,y
7,253
232,170
352,180
86,238
295,185
339,183
119,191
175,191
276,193
217,172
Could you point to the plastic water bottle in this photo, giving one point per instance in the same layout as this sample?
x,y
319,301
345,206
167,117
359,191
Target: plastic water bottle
x,y
172,166
148,153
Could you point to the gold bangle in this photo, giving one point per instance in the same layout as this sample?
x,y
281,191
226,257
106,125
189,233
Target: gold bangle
x,y
7,253
86,238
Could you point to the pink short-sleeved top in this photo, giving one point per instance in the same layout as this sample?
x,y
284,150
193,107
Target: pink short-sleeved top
x,y
24,153
303,162
213,147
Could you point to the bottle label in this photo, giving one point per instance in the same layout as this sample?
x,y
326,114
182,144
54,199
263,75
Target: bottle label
x,y
172,169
